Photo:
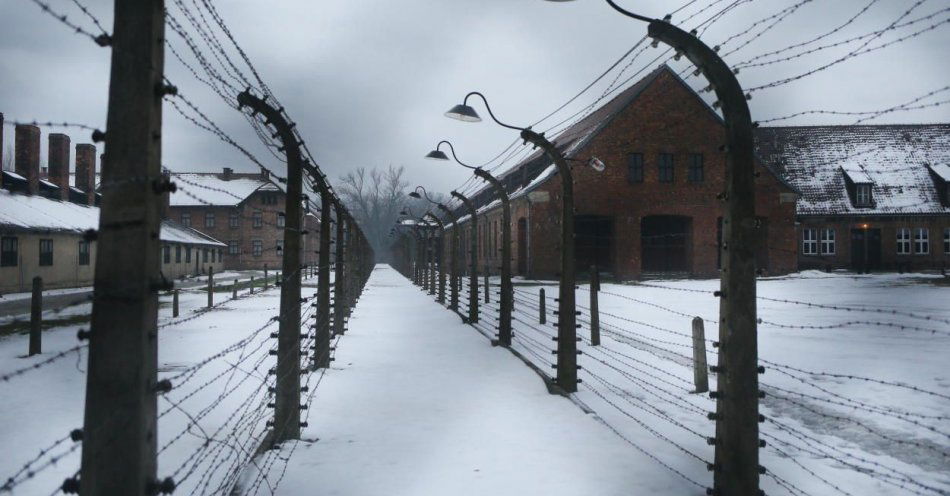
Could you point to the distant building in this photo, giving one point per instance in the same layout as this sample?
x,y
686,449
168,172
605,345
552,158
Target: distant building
x,y
43,223
872,197
827,197
243,210
655,210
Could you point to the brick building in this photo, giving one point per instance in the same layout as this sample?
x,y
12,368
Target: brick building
x,y
654,210
43,221
243,210
872,197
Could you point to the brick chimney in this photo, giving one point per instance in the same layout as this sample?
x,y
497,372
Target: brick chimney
x,y
27,155
58,162
86,171
226,175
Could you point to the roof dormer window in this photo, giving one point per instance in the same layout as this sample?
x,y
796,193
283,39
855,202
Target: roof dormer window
x,y
862,195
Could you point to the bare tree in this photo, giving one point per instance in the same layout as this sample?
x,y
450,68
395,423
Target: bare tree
x,y
375,197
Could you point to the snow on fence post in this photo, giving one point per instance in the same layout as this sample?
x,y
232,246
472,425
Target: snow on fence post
x,y
175,303
210,287
594,307
700,373
542,311
36,317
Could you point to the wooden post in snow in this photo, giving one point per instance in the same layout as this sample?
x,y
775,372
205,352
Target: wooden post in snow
x,y
36,317
700,372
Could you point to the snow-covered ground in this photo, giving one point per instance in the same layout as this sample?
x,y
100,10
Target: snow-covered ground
x,y
419,404
827,425
858,395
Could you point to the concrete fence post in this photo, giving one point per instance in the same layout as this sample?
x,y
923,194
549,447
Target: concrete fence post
x,y
542,307
210,287
251,289
175,303
700,372
487,289
594,306
36,317
265,276
234,290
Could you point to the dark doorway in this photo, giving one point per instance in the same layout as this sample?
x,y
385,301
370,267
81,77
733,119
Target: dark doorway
x,y
865,250
665,241
522,246
593,238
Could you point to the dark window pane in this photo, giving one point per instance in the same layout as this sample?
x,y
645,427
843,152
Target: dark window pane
x,y
9,251
46,252
635,168
665,166
695,172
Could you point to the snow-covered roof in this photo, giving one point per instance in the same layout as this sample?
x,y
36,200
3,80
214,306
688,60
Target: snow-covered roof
x,y
35,213
174,232
942,170
894,159
197,189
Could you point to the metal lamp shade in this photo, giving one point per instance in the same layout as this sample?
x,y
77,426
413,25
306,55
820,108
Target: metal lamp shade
x,y
464,113
437,155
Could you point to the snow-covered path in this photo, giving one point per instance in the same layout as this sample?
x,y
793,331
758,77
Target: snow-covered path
x,y
418,403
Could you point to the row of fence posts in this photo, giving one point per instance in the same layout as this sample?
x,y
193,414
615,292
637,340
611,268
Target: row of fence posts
x,y
736,468
119,451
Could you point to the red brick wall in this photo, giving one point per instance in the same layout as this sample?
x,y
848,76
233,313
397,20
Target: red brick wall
x,y
27,155
86,170
58,162
245,233
666,118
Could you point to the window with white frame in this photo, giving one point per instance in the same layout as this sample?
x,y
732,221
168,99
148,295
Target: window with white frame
x,y
280,247
234,220
186,219
257,247
809,241
827,241
233,247
280,219
921,241
257,219
903,241
209,219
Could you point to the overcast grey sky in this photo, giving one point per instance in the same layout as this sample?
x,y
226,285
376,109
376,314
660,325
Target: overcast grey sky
x,y
368,81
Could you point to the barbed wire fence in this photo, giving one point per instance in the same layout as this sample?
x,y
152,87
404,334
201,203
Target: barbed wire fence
x,y
214,417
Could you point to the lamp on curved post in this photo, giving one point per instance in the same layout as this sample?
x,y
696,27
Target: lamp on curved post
x,y
437,256
419,265
567,319
507,292
473,250
427,255
737,405
454,276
